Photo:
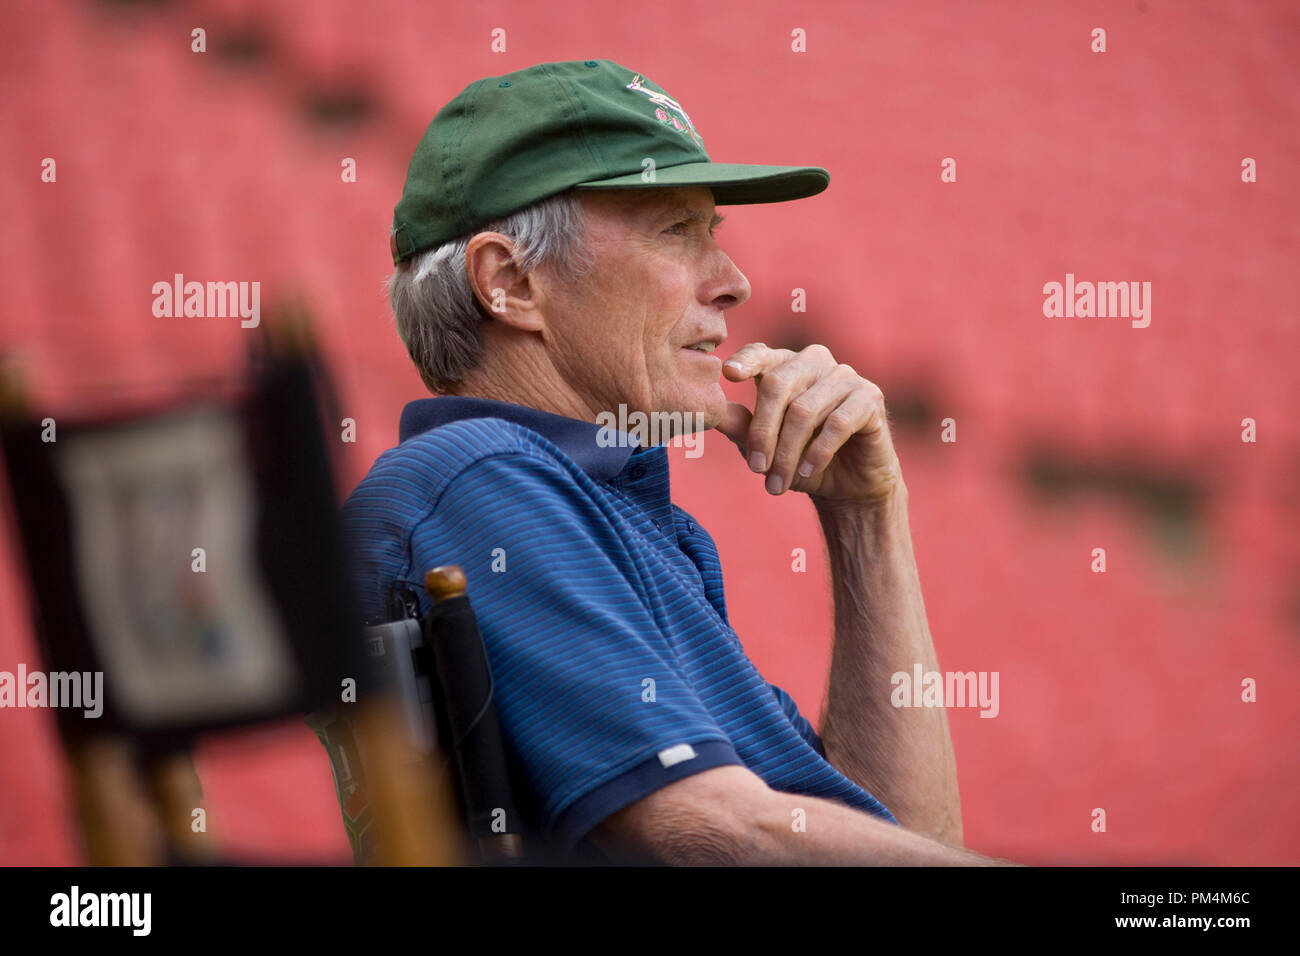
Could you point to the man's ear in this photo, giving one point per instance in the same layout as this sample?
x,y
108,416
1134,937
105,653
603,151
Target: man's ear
x,y
504,293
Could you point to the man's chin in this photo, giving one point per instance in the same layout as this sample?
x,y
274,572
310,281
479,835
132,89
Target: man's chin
x,y
699,411
705,415
711,407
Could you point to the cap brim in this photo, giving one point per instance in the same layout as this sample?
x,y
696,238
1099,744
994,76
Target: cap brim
x,y
733,184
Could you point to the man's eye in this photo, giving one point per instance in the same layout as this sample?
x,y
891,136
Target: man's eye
x,y
682,228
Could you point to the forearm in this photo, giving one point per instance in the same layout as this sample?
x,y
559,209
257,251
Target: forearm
x,y
728,816
903,756
795,830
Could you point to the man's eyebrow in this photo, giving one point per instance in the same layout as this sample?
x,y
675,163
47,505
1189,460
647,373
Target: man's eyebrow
x,y
687,214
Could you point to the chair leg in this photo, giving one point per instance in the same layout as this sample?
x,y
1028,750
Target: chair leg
x,y
174,785
415,817
115,812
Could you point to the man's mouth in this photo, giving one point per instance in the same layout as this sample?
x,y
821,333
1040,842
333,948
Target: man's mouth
x,y
707,343
705,352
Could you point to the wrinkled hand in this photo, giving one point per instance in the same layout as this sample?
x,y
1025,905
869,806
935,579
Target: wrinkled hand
x,y
817,426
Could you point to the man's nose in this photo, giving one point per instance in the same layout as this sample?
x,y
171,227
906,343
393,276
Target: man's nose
x,y
730,287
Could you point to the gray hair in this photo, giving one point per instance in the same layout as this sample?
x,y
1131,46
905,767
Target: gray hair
x,y
439,318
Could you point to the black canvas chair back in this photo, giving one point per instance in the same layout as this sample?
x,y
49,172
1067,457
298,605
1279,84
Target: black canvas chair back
x,y
437,670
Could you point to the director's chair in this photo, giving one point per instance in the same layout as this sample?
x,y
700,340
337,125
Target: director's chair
x,y
111,511
436,668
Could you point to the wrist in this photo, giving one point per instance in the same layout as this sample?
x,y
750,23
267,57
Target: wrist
x,y
888,502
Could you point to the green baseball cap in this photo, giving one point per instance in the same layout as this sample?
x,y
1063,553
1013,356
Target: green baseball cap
x,y
505,142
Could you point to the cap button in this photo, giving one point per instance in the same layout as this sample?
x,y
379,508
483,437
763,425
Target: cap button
x,y
504,83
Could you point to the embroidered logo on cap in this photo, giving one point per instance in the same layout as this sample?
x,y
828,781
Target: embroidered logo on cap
x,y
665,105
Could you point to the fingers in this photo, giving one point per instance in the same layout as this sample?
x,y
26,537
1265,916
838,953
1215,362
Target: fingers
x,y
807,408
831,396
850,417
781,376
735,424
752,360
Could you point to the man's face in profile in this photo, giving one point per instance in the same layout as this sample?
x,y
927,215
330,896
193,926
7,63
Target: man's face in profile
x,y
660,283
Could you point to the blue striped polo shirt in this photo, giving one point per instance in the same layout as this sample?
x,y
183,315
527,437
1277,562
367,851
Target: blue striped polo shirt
x,y
600,603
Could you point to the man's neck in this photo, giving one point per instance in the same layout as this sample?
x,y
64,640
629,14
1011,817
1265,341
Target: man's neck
x,y
535,384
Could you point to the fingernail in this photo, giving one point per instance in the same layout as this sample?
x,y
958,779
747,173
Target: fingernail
x,y
805,469
757,461
774,484
739,367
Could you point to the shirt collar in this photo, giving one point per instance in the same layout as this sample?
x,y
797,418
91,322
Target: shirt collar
x,y
576,438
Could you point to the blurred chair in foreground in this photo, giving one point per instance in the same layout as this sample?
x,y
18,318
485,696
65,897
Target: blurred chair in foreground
x,y
187,573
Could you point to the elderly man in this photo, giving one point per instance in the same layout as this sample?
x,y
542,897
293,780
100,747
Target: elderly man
x,y
557,267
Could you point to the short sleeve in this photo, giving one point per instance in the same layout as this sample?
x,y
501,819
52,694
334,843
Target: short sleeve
x,y
801,723
586,686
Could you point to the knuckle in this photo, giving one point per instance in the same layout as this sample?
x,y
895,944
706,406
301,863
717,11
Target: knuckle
x,y
767,415
801,411
839,421
777,380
